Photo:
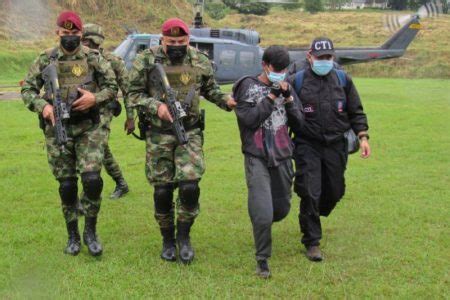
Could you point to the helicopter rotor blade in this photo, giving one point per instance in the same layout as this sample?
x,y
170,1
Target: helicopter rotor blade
x,y
432,9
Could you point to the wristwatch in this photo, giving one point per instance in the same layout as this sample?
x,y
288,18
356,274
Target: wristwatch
x,y
363,135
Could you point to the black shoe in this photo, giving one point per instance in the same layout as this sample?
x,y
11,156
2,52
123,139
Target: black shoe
x,y
120,190
313,253
185,250
169,250
90,237
74,242
262,269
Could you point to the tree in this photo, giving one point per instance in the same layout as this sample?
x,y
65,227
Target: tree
x,y
398,4
336,4
217,10
254,8
313,6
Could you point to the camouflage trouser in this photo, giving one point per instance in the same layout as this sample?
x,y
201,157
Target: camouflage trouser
x,y
110,164
83,153
168,162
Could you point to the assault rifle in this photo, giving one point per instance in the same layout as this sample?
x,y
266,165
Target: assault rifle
x,y
158,79
60,109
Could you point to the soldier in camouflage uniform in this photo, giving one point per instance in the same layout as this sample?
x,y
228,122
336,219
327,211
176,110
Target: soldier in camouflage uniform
x,y
93,38
77,66
169,165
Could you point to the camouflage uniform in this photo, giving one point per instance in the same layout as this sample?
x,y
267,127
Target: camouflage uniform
x,y
167,163
118,66
94,33
84,152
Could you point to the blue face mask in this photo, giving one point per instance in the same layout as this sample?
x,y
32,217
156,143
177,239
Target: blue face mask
x,y
275,77
322,67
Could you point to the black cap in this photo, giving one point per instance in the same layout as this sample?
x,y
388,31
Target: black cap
x,y
322,46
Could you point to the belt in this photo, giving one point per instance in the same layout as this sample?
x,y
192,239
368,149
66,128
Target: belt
x,y
170,132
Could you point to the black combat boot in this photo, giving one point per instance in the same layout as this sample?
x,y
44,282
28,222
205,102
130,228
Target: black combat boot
x,y
90,237
185,250
262,269
121,188
168,249
74,242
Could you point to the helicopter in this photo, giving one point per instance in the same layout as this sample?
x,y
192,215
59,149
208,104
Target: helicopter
x,y
236,52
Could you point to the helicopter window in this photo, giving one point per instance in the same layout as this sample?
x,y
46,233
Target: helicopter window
x,y
205,48
123,48
227,57
141,47
246,58
155,42
138,47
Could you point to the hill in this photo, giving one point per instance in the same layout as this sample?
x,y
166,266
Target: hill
x,y
28,26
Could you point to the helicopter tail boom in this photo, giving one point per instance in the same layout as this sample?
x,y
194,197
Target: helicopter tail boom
x,y
402,38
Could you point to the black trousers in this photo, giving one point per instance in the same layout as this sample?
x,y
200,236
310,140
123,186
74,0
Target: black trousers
x,y
269,199
320,184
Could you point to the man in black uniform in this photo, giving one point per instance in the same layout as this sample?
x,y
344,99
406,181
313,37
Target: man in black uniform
x,y
332,107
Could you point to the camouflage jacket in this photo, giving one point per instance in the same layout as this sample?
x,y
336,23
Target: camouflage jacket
x,y
201,77
121,73
103,77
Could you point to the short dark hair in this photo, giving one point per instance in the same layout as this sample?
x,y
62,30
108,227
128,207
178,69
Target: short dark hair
x,y
277,56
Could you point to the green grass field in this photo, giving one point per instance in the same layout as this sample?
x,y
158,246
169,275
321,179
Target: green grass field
x,y
388,238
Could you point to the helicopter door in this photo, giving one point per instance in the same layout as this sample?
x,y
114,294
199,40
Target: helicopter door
x,y
235,61
225,60
248,61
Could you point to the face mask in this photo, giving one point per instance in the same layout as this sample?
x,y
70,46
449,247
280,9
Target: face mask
x,y
176,54
275,77
70,42
322,67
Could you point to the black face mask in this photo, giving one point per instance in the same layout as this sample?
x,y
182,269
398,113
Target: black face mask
x,y
70,42
176,54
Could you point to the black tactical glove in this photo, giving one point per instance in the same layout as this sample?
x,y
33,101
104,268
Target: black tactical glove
x,y
286,93
275,90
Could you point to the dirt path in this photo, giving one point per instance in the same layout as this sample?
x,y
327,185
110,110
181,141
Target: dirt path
x,y
11,95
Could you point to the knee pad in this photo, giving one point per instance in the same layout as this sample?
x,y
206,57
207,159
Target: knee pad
x,y
189,192
68,190
92,184
163,197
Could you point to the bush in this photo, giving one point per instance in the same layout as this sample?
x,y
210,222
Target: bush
x,y
291,6
313,6
217,10
260,9
231,3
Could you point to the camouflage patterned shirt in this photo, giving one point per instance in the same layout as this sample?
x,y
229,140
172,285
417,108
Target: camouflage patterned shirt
x,y
121,73
201,76
103,76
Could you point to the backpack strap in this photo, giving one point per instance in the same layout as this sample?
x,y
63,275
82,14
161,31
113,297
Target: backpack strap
x,y
298,83
237,84
342,78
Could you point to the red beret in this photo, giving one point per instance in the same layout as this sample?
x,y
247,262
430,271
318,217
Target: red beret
x,y
69,20
175,27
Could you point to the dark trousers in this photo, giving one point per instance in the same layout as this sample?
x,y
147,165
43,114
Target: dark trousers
x,y
320,184
269,199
